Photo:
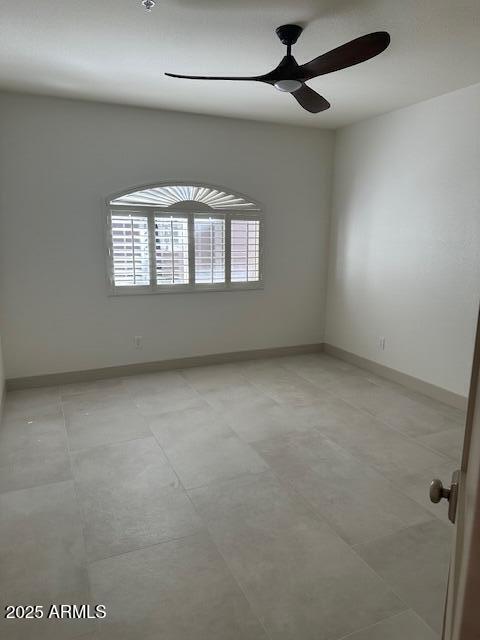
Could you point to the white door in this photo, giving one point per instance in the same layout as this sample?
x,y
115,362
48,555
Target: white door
x,y
462,609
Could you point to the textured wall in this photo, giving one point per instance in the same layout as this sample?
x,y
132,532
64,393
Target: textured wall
x,y
60,159
405,239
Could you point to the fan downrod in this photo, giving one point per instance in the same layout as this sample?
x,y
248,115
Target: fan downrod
x,y
289,33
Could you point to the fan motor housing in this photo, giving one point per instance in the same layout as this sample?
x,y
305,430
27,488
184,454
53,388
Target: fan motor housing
x,y
289,33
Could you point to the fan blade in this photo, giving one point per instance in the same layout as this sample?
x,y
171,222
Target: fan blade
x,y
310,100
347,55
176,75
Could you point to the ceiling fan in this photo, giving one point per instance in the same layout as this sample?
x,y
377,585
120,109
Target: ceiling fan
x,y
290,77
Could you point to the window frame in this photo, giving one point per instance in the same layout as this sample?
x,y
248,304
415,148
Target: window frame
x,y
190,212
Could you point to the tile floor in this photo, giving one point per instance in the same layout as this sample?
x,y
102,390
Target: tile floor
x,y
266,500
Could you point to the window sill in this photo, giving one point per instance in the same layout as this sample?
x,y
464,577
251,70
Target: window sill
x,y
199,288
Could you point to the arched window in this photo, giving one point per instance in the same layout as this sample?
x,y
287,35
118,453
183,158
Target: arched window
x,y
183,237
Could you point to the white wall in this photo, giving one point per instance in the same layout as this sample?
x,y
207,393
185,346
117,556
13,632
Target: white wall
x,y
60,159
405,239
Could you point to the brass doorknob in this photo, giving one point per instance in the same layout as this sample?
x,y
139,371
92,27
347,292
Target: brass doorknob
x,y
438,491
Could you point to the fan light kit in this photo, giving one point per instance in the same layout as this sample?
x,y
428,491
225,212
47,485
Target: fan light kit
x,y
290,77
289,86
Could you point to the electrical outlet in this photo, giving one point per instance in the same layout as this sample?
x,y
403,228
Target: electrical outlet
x,y
381,343
137,341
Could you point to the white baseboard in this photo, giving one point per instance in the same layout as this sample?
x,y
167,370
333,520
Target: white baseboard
x,y
88,375
415,384
55,379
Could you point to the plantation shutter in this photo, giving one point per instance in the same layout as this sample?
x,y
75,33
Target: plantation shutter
x,y
183,237
209,250
130,250
171,250
245,250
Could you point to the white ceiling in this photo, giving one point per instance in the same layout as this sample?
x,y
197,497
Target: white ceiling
x,y
111,50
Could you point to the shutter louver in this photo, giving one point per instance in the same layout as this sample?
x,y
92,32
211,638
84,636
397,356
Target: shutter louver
x,y
171,195
171,250
130,250
245,251
209,250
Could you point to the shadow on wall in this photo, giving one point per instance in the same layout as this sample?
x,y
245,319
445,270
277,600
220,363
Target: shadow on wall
x,y
304,10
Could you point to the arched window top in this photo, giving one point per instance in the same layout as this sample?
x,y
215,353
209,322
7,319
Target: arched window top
x,y
185,197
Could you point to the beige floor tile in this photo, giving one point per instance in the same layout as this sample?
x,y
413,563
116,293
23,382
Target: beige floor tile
x,y
178,590
28,403
404,626
99,399
267,420
383,448
328,411
410,413
79,388
321,370
398,558
33,451
352,457
356,500
449,443
242,396
162,381
299,577
202,448
116,422
214,377
283,386
162,401
261,364
318,361
130,498
415,417
364,392
42,559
